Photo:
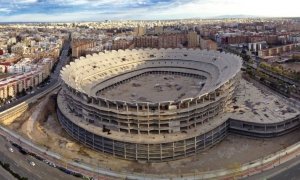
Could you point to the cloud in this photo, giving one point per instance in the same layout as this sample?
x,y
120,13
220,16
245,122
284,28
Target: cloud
x,y
95,10
26,1
5,10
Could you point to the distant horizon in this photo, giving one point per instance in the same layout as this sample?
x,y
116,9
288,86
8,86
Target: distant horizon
x,y
100,10
116,20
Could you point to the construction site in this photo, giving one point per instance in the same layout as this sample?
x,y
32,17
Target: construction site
x,y
212,126
157,105
41,125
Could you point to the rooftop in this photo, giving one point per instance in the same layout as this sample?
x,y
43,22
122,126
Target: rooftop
x,y
257,105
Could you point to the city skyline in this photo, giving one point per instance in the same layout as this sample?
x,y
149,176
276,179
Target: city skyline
x,y
98,10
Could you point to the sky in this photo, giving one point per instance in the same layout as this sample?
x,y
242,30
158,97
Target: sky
x,y
99,10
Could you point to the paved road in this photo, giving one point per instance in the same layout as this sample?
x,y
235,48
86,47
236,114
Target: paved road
x,y
287,170
19,163
292,173
54,157
5,175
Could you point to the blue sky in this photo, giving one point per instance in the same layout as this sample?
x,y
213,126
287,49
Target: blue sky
x,y
97,10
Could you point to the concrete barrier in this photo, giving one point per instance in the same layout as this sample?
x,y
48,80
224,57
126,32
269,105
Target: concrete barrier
x,y
14,112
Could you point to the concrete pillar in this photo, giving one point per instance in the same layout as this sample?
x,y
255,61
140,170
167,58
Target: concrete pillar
x,y
136,152
158,109
113,147
148,152
204,139
102,143
138,127
173,149
184,147
160,151
148,109
195,144
212,137
125,150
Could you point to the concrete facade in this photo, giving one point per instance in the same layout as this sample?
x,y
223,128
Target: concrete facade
x,y
147,131
277,50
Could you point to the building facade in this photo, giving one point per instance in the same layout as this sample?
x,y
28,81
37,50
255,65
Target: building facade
x,y
147,131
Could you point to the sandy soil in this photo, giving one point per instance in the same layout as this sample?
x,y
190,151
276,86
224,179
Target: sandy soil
x,y
155,87
229,153
37,111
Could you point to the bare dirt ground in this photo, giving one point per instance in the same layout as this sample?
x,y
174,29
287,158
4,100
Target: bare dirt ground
x,y
229,153
156,87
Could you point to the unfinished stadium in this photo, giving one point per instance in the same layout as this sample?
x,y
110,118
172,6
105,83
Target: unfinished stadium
x,y
154,104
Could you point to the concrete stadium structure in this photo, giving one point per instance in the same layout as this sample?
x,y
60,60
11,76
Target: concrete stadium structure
x,y
92,111
155,131
150,131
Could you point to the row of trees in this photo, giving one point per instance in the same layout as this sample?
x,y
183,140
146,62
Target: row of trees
x,y
278,69
273,83
6,166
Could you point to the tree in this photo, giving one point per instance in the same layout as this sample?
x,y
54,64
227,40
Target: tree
x,y
6,166
23,92
18,93
9,97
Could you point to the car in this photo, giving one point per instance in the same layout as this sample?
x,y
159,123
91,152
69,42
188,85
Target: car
x,y
52,164
11,149
32,163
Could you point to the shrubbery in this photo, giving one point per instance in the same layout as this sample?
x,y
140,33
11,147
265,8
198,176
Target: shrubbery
x,y
6,166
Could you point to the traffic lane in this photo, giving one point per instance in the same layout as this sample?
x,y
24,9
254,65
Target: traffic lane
x,y
15,160
21,164
292,173
32,148
49,172
5,175
275,170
